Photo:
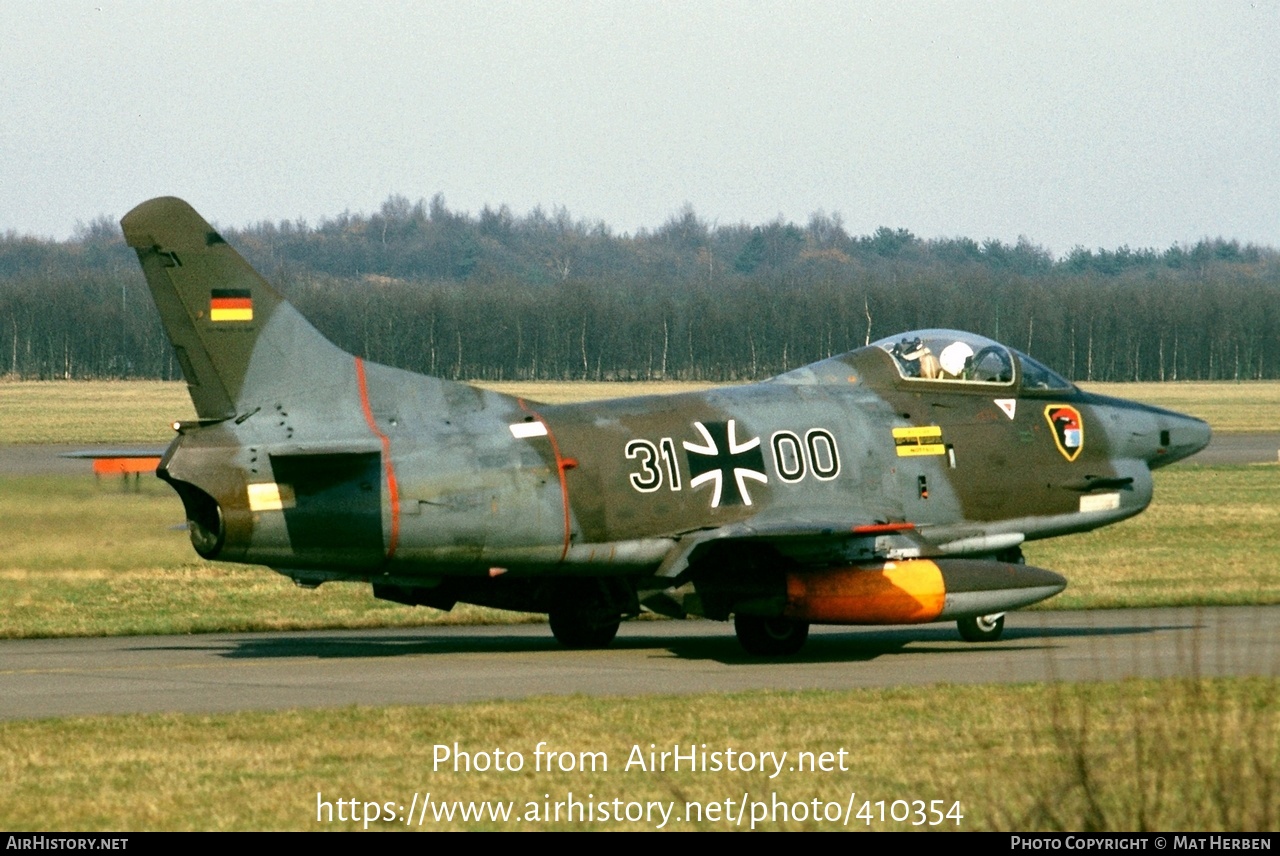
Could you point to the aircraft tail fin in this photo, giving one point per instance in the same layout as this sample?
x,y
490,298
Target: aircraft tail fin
x,y
229,328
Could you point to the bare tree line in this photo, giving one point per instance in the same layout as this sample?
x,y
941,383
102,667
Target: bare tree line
x,y
496,296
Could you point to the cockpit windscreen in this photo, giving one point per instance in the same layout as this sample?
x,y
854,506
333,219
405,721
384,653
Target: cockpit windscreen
x,y
950,355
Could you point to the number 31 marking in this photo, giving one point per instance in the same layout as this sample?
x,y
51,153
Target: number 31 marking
x,y
650,456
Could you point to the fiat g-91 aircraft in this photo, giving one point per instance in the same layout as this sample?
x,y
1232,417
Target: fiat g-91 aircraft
x,y
893,484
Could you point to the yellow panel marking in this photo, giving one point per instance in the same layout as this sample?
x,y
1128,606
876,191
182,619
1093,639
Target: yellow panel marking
x,y
270,497
919,440
917,451
917,432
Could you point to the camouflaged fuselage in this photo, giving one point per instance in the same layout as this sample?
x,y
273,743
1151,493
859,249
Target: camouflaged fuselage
x,y
934,446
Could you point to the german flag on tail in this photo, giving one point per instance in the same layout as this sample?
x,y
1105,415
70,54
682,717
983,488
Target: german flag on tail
x,y
231,304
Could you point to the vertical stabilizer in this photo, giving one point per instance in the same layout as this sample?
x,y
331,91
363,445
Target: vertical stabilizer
x,y
216,309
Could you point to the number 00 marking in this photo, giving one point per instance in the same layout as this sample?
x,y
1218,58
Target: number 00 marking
x,y
817,453
788,456
823,456
793,459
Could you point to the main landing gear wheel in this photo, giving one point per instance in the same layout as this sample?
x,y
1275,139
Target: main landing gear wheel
x,y
579,628
981,628
767,637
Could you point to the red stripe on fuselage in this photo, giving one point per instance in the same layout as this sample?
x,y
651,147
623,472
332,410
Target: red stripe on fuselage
x,y
393,487
877,528
562,464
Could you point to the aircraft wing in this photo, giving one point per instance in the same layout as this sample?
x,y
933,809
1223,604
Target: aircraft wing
x,y
806,542
120,461
95,454
817,544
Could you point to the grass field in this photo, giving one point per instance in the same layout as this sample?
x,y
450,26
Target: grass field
x,y
91,411
87,558
1163,755
1211,535
91,558
142,411
1230,408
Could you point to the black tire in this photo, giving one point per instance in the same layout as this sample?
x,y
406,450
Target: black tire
x,y
981,628
582,629
770,637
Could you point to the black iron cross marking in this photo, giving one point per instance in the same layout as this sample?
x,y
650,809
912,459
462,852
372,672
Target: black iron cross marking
x,y
730,467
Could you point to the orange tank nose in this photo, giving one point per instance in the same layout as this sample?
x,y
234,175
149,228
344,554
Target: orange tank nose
x,y
915,591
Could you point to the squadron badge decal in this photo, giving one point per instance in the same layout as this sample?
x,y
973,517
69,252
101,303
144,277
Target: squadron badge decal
x,y
1068,429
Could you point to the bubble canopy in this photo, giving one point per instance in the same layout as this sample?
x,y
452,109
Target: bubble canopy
x,y
954,356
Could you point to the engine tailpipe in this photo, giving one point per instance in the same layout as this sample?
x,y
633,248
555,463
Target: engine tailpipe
x,y
916,591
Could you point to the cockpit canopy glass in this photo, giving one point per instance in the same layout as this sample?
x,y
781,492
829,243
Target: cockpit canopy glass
x,y
950,355
1037,376
954,356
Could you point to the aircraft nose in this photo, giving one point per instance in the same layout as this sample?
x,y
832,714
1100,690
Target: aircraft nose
x,y
1179,437
1152,434
1161,437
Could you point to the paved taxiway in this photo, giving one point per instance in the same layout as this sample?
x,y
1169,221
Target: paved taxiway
x,y
267,671
224,672
44,460
1239,449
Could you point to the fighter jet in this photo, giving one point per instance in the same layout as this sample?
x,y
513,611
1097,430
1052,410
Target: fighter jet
x,y
893,484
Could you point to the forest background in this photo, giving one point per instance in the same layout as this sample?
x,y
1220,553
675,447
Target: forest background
x,y
546,297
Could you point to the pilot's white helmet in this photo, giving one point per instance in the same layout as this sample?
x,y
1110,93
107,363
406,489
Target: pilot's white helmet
x,y
953,358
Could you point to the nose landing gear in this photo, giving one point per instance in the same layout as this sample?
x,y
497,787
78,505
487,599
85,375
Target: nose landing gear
x,y
981,628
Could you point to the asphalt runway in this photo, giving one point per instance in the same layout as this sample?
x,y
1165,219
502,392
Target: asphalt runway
x,y
44,460
267,671
272,671
30,460
1238,449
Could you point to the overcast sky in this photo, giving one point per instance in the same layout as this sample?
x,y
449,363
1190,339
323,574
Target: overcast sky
x,y
1072,123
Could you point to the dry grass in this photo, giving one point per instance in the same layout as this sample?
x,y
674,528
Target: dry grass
x,y
1211,536
203,598
1184,755
81,558
86,558
1230,408
141,411
1173,755
91,411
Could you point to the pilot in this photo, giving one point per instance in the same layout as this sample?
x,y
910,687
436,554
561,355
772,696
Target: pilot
x,y
954,361
916,358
